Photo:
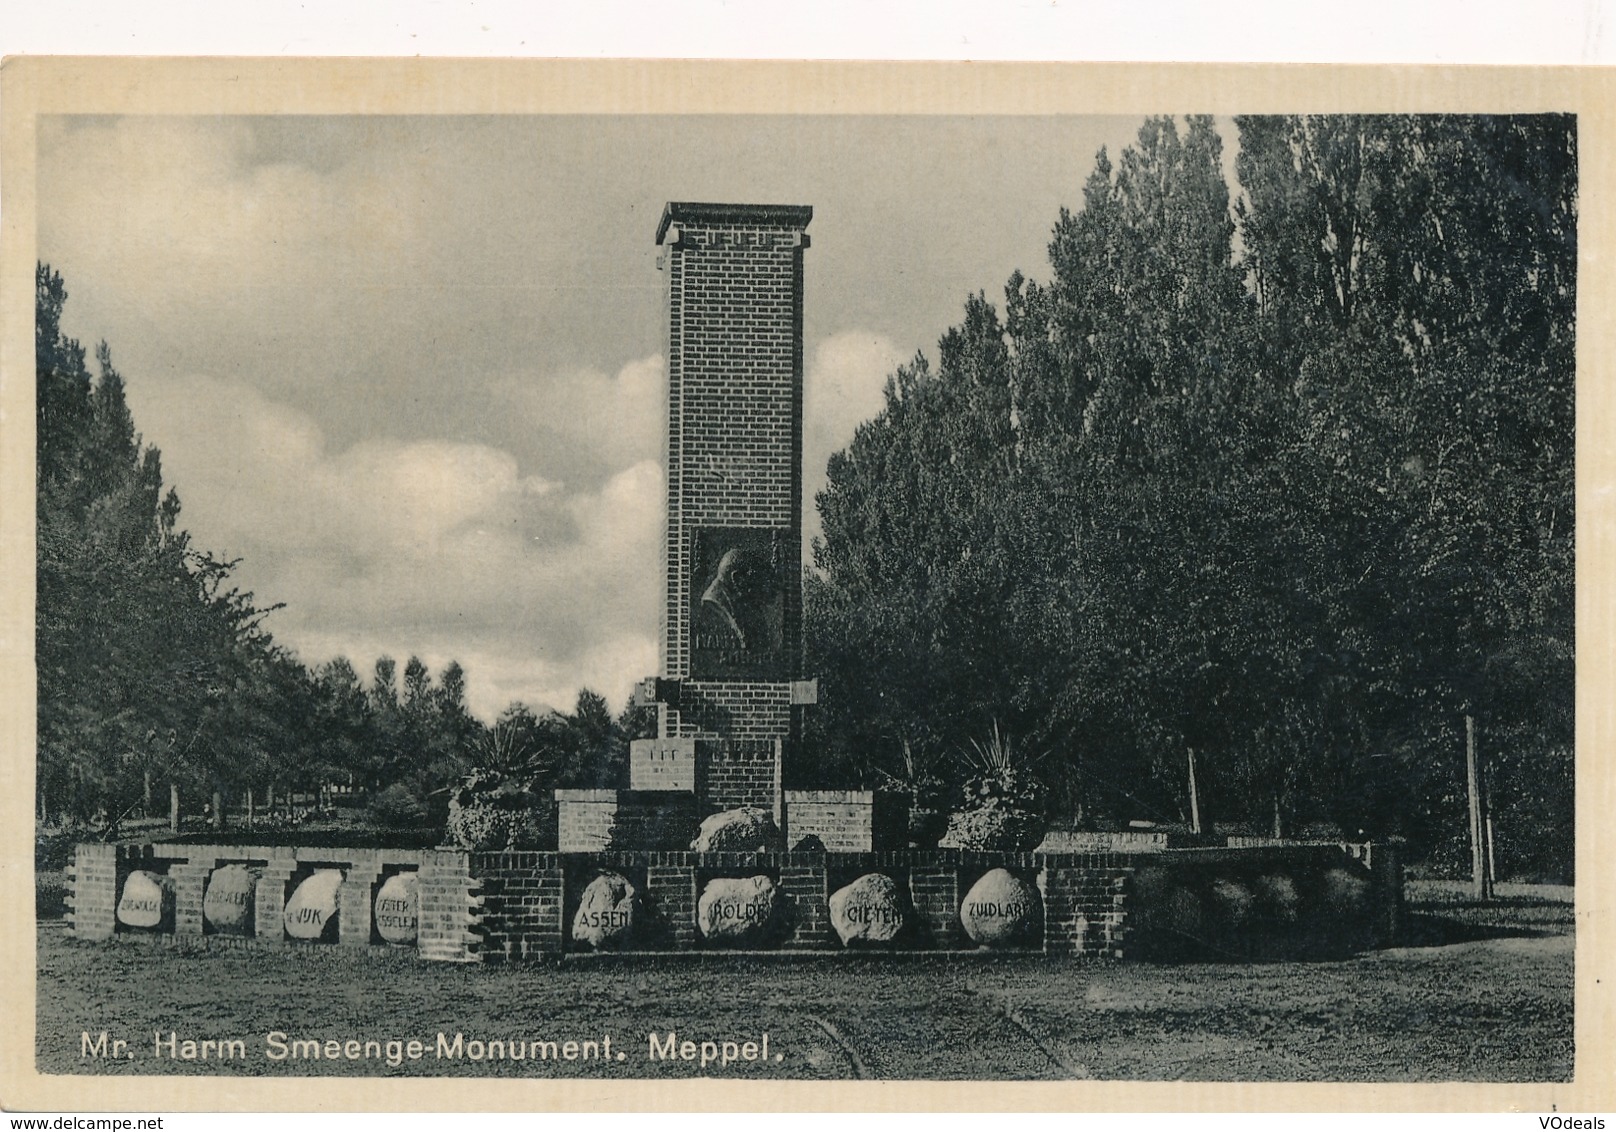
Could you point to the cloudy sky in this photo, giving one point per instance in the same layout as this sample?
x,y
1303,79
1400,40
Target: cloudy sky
x,y
409,370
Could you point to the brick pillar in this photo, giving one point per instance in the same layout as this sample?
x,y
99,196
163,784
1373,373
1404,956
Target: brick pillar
x,y
354,909
732,640
548,936
1386,874
269,897
190,879
671,887
1114,928
804,880
449,908
934,891
93,896
1065,926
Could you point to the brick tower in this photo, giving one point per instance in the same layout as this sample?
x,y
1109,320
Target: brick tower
x,y
731,650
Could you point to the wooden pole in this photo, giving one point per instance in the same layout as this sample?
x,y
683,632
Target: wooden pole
x,y
249,808
218,810
1195,799
1480,887
173,808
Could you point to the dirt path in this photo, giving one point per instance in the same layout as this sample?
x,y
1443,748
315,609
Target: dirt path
x,y
1491,1009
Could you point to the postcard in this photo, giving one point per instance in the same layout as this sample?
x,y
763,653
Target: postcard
x,y
664,585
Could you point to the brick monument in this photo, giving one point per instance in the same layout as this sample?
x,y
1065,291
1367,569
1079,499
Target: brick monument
x,y
731,650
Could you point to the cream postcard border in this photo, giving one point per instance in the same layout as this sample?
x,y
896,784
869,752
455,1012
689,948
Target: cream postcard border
x,y
30,87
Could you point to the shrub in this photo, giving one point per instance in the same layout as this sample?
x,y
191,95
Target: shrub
x,y
397,808
490,810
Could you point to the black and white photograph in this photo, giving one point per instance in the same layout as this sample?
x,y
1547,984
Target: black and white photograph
x,y
806,596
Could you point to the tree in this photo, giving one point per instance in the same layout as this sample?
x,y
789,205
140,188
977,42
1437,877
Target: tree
x,y
150,664
1282,483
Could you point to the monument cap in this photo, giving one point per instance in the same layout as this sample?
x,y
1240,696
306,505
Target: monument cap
x,y
699,213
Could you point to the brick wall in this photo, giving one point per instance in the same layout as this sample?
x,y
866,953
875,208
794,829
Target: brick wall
x,y
451,903
92,899
850,821
1218,903
598,821
522,902
1085,904
733,773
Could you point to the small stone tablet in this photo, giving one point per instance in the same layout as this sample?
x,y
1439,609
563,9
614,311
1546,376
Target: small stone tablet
x,y
397,910
313,905
147,900
605,911
871,909
1001,909
228,905
737,910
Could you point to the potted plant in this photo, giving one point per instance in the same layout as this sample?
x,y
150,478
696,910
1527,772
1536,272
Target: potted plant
x,y
917,779
494,806
1003,808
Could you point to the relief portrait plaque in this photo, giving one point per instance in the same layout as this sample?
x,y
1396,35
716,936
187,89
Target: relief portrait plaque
x,y
737,603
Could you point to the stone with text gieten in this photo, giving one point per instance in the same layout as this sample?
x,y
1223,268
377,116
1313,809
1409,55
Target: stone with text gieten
x,y
311,913
870,910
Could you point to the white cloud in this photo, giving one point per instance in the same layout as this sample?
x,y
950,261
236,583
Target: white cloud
x,y
435,548
610,421
843,387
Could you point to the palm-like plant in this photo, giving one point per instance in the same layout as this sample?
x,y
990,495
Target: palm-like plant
x,y
999,775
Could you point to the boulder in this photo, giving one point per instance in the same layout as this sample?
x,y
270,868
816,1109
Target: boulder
x,y
1233,902
1346,895
398,908
739,910
1278,897
228,903
147,900
1181,916
746,830
312,910
870,910
1001,909
605,911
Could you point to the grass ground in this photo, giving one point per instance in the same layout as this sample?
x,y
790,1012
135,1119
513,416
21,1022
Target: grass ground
x,y
1482,993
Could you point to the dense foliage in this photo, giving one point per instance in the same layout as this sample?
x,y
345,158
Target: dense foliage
x,y
1285,480
154,671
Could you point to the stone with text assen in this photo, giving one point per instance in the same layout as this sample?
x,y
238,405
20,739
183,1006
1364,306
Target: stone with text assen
x,y
605,913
